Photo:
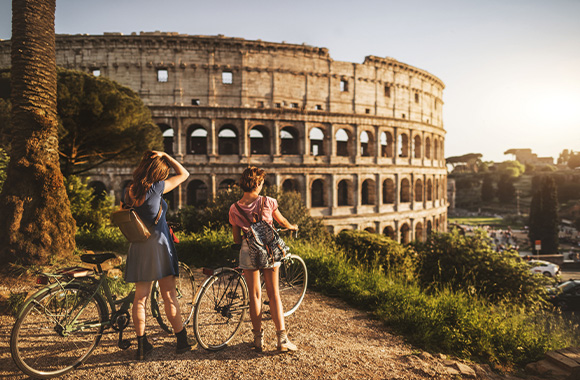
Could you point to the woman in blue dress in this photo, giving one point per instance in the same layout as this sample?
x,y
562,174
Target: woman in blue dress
x,y
154,259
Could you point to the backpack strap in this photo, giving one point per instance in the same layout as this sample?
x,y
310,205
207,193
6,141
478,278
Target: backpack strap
x,y
132,207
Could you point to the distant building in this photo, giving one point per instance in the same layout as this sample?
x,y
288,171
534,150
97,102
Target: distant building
x,y
525,156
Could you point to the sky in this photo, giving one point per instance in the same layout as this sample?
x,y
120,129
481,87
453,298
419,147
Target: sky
x,y
511,67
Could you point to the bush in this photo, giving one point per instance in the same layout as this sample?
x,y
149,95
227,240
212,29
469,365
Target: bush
x,y
89,210
102,239
469,264
376,251
207,248
215,214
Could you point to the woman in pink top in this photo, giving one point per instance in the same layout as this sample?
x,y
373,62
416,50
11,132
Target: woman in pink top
x,y
251,182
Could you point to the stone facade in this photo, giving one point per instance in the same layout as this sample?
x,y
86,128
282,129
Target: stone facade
x,y
362,143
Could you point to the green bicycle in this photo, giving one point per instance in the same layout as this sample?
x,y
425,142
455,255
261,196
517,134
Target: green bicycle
x,y
60,325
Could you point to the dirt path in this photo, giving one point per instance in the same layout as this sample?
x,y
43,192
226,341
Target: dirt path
x,y
335,342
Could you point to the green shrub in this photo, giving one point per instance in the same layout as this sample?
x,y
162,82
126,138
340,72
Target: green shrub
x,y
216,214
468,263
443,319
376,250
102,239
89,210
208,248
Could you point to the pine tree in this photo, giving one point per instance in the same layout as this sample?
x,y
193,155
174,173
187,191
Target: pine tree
x,y
544,220
487,190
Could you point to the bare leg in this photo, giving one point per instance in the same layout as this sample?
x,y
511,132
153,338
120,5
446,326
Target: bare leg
x,y
273,290
169,294
255,290
142,291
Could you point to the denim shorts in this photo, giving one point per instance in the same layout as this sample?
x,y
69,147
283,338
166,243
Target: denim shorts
x,y
245,261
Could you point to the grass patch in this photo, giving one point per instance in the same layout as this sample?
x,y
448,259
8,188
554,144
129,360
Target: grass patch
x,y
478,221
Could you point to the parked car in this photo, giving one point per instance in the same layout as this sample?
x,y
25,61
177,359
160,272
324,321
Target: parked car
x,y
544,267
566,295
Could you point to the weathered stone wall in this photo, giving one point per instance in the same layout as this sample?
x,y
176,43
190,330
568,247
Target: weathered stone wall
x,y
363,143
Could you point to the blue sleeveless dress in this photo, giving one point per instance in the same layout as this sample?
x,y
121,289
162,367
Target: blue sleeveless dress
x,y
156,257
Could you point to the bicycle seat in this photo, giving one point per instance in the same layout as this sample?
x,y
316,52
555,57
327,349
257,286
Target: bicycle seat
x,y
97,258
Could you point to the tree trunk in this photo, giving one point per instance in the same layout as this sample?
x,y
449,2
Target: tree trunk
x,y
36,224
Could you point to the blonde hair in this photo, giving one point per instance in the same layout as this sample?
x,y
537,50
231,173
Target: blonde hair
x,y
251,178
151,169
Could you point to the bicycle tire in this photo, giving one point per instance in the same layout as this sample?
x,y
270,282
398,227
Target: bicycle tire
x,y
186,290
293,281
40,344
220,309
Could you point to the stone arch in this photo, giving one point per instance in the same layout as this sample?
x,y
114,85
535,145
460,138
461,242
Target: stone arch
x,y
389,191
419,231
289,138
405,232
226,184
290,185
437,224
370,229
345,195
429,228
367,144
168,137
196,139
368,192
436,188
436,148
228,140
259,140
389,231
429,190
316,136
418,190
197,193
405,195
403,145
344,144
427,147
417,146
318,193
387,144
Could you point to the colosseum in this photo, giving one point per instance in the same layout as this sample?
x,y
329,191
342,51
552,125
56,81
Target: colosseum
x,y
362,143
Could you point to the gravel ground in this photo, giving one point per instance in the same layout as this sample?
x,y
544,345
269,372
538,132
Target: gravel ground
x,y
334,340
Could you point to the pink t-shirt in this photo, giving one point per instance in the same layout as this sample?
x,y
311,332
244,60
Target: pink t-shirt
x,y
236,219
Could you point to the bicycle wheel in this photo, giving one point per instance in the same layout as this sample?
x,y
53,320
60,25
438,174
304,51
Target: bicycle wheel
x,y
186,290
293,283
220,309
57,330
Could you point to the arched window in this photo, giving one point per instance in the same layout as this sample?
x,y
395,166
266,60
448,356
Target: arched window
x,y
403,145
196,193
418,191
259,140
366,144
168,135
436,188
388,191
429,228
316,142
228,140
289,140
405,233
386,144
342,143
290,185
405,190
226,184
368,190
345,193
435,149
388,231
317,193
197,142
429,192
427,147
419,232
370,229
417,147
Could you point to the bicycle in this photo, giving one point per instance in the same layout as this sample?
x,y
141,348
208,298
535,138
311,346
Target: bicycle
x,y
223,300
60,325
